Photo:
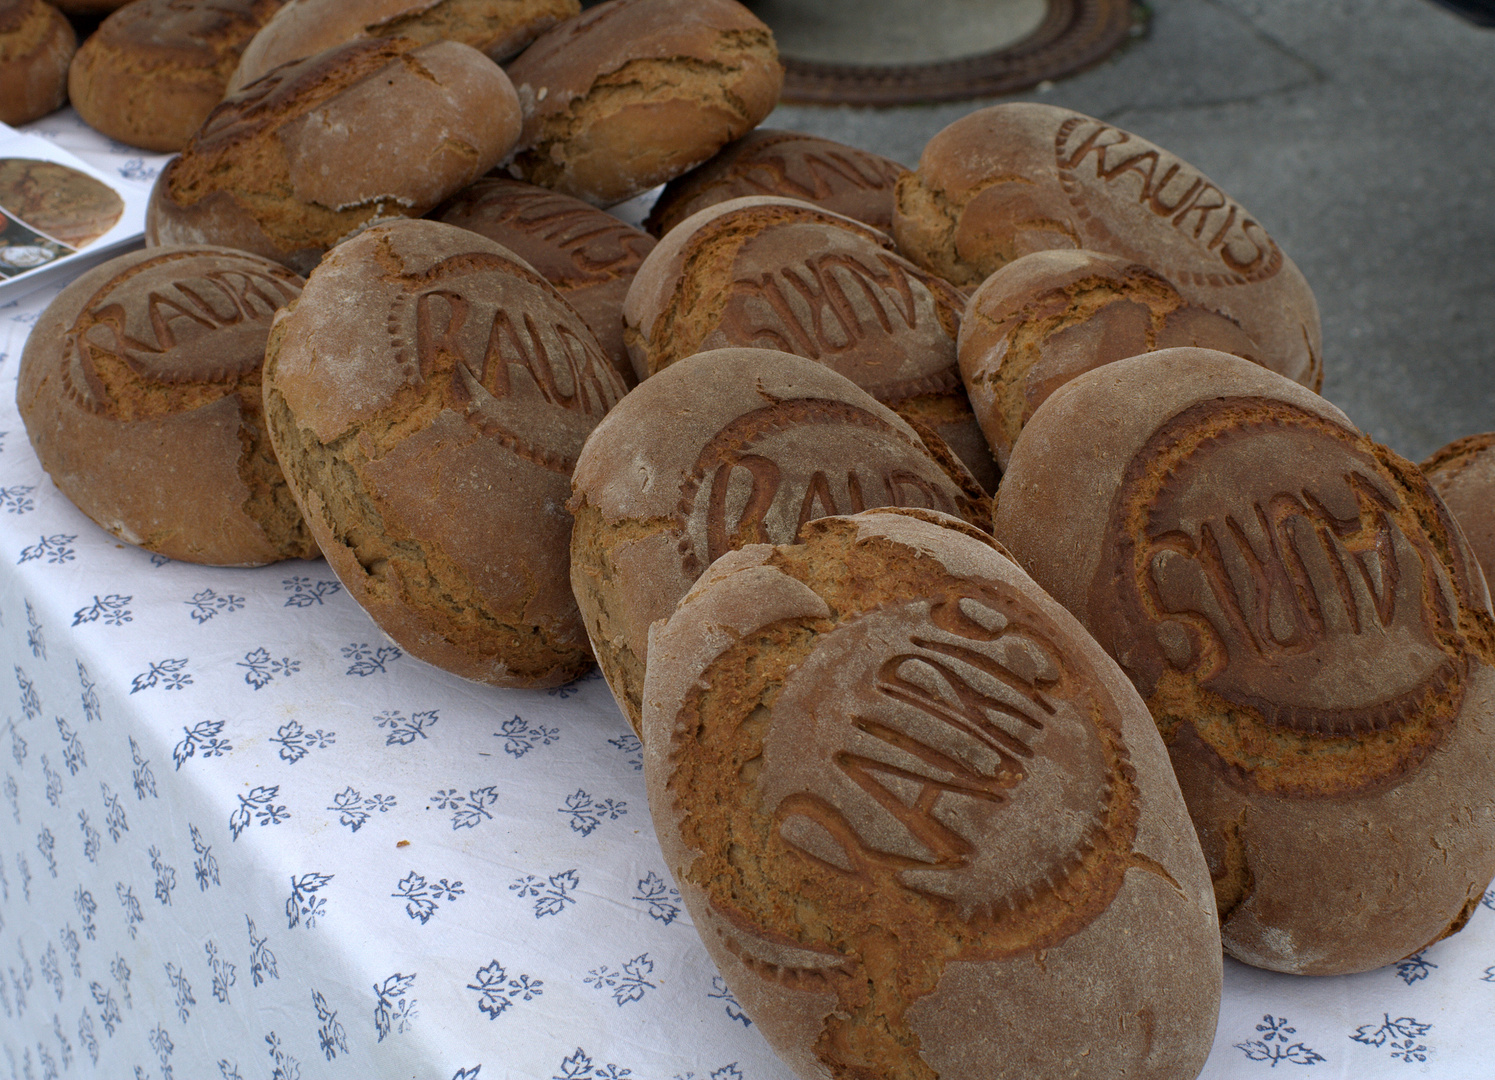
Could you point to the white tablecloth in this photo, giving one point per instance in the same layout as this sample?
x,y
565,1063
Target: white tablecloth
x,y
243,837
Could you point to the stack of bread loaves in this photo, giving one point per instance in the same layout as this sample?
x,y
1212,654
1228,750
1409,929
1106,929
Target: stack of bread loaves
x,y
954,786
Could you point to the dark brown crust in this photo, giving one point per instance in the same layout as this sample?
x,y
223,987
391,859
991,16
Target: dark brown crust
x,y
36,46
433,466
142,399
1463,474
153,70
789,165
850,925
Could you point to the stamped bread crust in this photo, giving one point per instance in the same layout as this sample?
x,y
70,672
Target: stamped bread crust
x,y
141,396
912,809
1309,630
1009,180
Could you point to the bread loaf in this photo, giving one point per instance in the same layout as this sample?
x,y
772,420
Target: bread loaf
x,y
635,92
140,390
36,45
586,253
1307,626
372,129
498,28
781,274
726,448
152,71
922,823
432,459
1044,318
1009,180
790,165
1463,472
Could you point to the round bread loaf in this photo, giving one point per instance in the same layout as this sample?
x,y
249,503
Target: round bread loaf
x,y
1044,318
1308,627
788,164
1463,472
499,28
1009,180
59,201
153,70
319,148
586,253
726,448
140,389
635,92
432,459
922,823
36,46
782,274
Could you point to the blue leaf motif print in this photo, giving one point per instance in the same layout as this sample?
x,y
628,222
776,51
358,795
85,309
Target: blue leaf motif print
x,y
662,899
305,592
262,667
207,603
169,674
17,500
331,1037
286,1067
721,992
403,730
519,738
111,610
203,737
72,747
632,749
1414,968
497,992
627,985
552,895
1401,1036
142,776
89,696
258,805
296,742
205,866
261,960
394,1010
354,810
136,169
304,905
469,810
56,549
182,989
368,660
35,640
420,897
1273,1044
224,975
586,815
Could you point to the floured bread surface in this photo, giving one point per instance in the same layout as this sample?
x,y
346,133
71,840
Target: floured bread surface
x,y
633,93
1009,180
497,28
1307,626
922,823
790,165
586,253
429,395
1044,318
782,274
140,389
319,148
726,448
36,45
1463,472
153,71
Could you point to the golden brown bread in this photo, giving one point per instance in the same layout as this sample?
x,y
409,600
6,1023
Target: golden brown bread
x,y
1012,179
319,148
1463,472
635,92
140,389
36,46
432,460
497,28
153,70
1307,626
922,823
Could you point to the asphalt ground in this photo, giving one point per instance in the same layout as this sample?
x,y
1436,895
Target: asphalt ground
x,y
1361,133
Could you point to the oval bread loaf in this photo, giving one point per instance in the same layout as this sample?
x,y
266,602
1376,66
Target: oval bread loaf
x,y
1012,179
140,389
1309,629
36,45
428,396
922,823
